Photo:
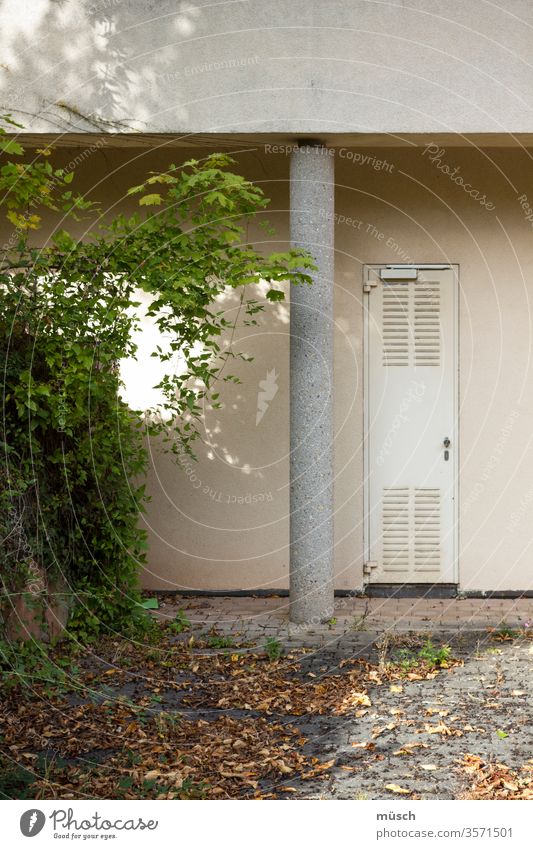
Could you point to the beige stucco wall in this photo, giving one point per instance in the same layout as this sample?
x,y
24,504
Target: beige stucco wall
x,y
408,210
226,526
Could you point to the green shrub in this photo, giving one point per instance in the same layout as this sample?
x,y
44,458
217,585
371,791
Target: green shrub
x,y
73,456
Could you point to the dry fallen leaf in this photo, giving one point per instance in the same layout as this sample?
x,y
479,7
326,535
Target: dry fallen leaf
x,y
441,728
496,780
395,788
471,763
406,750
380,729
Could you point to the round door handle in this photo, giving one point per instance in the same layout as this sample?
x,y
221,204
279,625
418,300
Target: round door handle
x,y
446,442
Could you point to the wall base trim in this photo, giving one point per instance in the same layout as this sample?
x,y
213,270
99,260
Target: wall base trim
x,y
412,590
371,591
261,593
495,594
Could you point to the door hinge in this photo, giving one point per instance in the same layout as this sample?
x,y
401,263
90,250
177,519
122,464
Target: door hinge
x,y
372,280
369,567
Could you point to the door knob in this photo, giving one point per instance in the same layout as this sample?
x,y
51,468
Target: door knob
x,y
446,443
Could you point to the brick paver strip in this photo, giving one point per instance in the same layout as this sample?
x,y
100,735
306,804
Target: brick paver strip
x,y
258,618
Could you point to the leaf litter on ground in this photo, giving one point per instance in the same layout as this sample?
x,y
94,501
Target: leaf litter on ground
x,y
99,743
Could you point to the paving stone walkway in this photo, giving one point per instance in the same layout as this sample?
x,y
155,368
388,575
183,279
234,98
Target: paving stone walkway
x,y
417,738
256,619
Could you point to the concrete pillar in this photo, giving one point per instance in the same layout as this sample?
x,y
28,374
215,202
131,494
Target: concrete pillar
x,y
311,392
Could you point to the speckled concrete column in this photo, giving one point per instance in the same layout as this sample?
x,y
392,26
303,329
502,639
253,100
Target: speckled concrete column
x,y
311,395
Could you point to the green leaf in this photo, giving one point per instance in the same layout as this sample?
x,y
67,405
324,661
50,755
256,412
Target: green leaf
x,y
63,240
275,295
151,200
11,146
149,604
501,734
160,178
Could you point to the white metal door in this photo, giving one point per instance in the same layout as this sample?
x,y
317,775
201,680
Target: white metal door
x,y
410,433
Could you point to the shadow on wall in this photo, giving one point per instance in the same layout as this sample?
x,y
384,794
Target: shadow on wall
x,y
61,57
231,503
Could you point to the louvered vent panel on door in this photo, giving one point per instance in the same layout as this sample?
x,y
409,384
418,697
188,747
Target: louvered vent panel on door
x,y
396,309
411,531
427,323
411,323
396,529
427,530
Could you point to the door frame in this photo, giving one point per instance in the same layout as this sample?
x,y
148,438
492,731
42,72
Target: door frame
x,y
366,404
